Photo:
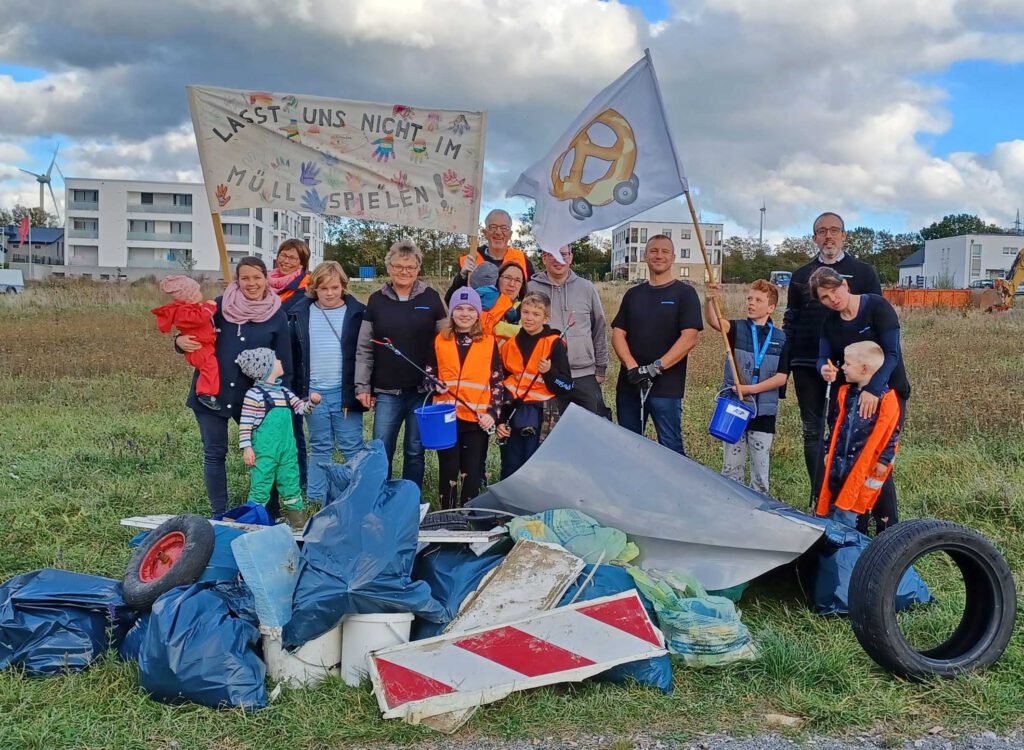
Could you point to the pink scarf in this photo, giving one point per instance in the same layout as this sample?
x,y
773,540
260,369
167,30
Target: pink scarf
x,y
237,308
279,281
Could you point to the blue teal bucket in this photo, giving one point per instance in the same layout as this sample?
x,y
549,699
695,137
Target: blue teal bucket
x,y
437,426
730,419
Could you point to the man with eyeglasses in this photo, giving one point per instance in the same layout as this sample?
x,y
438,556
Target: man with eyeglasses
x,y
803,320
498,233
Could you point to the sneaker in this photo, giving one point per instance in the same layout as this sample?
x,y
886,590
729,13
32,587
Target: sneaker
x,y
210,402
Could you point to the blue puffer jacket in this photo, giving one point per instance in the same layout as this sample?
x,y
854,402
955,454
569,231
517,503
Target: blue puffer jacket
x,y
232,340
298,324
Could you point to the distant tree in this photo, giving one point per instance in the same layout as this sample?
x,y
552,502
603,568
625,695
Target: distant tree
x,y
953,225
589,260
524,238
356,242
38,218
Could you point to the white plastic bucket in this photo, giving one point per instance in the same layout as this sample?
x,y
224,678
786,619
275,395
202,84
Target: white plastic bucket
x,y
310,664
362,634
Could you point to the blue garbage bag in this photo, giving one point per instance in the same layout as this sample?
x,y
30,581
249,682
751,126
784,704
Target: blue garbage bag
x,y
843,548
131,644
453,572
200,645
222,565
358,552
250,512
609,580
55,621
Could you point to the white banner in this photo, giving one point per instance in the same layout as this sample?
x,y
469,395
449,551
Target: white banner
x,y
615,161
385,162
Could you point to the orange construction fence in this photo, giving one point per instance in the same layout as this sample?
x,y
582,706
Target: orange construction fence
x,y
928,297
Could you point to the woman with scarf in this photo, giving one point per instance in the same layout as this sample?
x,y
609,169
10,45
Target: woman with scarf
x,y
290,276
248,316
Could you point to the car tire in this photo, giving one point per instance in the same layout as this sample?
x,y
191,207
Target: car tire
x,y
990,607
11,290
174,554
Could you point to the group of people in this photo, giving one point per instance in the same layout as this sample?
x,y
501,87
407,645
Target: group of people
x,y
511,349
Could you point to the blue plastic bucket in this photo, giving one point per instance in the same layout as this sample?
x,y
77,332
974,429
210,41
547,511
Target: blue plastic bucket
x,y
730,419
437,426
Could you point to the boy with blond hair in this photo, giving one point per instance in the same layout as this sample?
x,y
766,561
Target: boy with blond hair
x,y
861,449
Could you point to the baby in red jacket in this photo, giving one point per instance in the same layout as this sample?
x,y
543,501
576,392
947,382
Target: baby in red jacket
x,y
193,316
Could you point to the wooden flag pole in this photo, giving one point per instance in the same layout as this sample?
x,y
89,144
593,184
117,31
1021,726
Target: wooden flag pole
x,y
716,302
225,264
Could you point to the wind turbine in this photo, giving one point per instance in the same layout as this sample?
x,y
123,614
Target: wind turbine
x,y
44,181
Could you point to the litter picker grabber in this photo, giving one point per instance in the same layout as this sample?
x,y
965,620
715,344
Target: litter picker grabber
x,y
390,346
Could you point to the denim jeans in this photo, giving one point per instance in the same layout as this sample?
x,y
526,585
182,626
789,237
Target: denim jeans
x,y
666,411
213,430
389,415
329,429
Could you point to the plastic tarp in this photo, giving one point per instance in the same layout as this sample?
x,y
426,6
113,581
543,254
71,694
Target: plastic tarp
x,y
681,514
577,532
453,572
269,562
54,621
612,579
843,548
358,552
200,645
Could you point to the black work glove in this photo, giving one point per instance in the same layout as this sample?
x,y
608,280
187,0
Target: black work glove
x,y
639,377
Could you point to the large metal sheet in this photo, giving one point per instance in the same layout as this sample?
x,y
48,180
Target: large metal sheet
x,y
682,515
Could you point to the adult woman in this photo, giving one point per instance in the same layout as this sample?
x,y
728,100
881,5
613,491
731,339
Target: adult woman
x,y
325,325
862,317
409,313
248,316
511,283
290,276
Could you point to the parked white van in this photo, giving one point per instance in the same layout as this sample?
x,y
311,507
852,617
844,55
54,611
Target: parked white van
x,y
11,281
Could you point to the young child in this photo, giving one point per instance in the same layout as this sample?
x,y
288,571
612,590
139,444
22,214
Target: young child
x,y
266,435
861,450
537,365
468,365
762,358
493,304
193,317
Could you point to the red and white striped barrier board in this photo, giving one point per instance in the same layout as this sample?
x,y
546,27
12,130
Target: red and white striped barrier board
x,y
568,644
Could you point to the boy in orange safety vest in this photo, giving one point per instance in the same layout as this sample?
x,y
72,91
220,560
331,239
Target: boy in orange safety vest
x,y
861,450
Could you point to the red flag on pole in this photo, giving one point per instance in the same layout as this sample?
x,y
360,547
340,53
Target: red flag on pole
x,y
24,229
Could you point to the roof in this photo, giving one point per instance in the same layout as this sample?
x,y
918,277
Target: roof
x,y
916,258
38,236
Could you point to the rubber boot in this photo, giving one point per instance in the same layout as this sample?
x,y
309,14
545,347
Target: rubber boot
x,y
296,518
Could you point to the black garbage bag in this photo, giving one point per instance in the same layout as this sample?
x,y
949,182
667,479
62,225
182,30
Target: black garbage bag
x,y
200,645
54,621
453,572
358,552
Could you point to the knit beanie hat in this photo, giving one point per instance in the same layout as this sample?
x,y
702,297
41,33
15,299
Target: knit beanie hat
x,y
256,363
466,296
181,288
486,274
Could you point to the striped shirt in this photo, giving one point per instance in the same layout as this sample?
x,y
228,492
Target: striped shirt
x,y
254,409
325,353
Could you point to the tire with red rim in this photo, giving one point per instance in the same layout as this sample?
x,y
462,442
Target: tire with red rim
x,y
174,554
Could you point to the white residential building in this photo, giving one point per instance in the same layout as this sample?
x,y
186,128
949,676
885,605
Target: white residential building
x,y
954,262
628,242
133,228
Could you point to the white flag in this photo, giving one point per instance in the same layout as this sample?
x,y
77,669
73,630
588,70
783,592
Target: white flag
x,y
615,161
415,166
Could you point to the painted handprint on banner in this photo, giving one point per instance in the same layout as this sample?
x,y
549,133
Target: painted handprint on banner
x,y
353,183
281,163
291,130
433,119
418,151
290,103
261,97
312,201
406,113
401,180
309,173
459,125
452,181
223,198
385,148
468,191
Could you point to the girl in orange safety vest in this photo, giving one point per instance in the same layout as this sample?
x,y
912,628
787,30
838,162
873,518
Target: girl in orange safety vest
x,y
537,365
468,365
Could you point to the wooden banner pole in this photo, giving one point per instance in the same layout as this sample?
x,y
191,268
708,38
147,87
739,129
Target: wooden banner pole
x,y
716,302
225,264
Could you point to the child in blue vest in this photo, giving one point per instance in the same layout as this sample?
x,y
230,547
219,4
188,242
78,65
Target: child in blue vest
x,y
762,358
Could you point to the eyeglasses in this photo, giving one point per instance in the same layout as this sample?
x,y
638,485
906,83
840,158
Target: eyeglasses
x,y
828,231
404,269
499,228
511,279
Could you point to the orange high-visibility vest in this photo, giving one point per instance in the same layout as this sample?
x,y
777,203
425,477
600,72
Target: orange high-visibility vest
x,y
470,380
524,379
861,489
512,255
490,318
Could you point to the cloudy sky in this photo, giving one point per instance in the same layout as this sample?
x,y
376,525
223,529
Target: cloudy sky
x,y
891,112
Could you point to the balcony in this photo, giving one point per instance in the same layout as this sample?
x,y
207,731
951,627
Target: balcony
x,y
83,205
85,234
156,264
235,212
159,236
157,208
234,239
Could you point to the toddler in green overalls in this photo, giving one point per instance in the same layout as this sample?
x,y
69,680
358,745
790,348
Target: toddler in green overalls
x,y
266,435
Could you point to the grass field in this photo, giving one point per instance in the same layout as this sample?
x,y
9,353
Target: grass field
x,y
94,429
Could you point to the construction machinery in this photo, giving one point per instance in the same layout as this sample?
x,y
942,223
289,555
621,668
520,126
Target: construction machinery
x,y
1000,297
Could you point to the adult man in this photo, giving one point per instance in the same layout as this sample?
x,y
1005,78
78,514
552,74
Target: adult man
x,y
497,232
802,324
657,325
586,339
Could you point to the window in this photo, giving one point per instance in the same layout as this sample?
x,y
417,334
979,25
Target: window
x,y
709,236
975,260
236,230
84,224
684,234
259,214
305,225
181,227
643,234
667,233
274,224
141,225
85,196
180,199
147,199
259,235
684,272
634,235
684,253
718,236
1010,251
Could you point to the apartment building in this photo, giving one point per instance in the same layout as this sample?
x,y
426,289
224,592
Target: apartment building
x,y
135,228
628,242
